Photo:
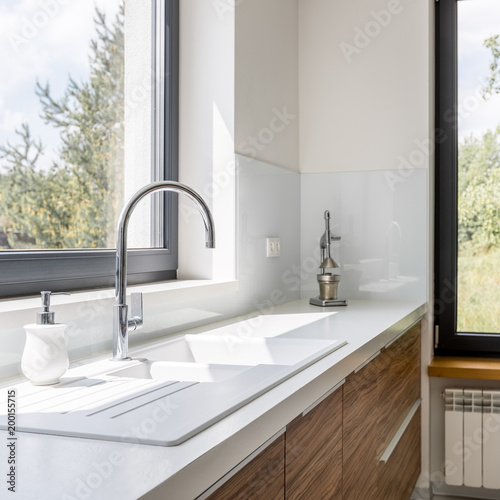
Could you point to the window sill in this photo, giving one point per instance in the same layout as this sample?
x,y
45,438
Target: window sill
x,y
170,290
460,367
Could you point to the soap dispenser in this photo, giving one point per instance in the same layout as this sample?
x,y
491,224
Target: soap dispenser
x,y
45,357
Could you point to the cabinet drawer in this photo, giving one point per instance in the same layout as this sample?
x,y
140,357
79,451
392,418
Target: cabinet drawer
x,y
360,432
398,476
314,452
398,383
262,477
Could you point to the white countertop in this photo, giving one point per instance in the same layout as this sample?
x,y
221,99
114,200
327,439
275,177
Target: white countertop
x,y
55,467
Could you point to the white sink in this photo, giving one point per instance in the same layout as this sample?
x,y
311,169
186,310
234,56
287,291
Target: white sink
x,y
170,391
184,372
233,350
215,358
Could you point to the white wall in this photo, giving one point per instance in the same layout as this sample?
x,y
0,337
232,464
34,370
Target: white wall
x,y
250,199
382,253
244,72
267,206
267,99
363,97
366,119
206,136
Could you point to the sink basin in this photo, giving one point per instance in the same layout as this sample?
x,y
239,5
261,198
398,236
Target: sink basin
x,y
215,358
184,372
170,391
233,350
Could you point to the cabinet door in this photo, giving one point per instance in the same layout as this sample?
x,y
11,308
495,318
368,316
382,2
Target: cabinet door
x,y
360,433
314,452
399,387
399,383
398,476
263,477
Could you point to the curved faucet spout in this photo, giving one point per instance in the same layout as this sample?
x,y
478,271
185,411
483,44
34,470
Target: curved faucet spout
x,y
121,322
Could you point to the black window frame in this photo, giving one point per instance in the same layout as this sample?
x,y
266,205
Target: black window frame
x,y
28,272
450,342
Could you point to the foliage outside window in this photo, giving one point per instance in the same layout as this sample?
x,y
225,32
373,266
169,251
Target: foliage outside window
x,y
73,203
92,88
468,178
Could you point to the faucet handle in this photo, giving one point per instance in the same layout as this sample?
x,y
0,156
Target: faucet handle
x,y
136,310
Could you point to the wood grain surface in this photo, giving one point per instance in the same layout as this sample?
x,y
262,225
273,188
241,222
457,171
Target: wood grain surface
x,y
360,436
314,452
460,367
262,478
397,477
398,384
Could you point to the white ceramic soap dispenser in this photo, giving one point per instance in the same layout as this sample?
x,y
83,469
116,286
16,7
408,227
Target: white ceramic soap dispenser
x,y
45,357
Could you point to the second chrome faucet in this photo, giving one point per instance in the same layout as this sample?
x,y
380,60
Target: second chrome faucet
x,y
121,322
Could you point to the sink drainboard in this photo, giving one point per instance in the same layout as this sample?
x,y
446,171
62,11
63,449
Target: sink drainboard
x,y
142,410
163,413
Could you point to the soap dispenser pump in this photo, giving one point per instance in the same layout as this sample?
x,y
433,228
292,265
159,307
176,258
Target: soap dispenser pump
x,y
45,357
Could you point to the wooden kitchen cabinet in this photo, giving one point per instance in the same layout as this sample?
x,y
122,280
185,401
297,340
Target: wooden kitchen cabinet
x,y
398,383
397,477
263,477
360,434
399,388
360,442
314,452
335,451
309,465
377,400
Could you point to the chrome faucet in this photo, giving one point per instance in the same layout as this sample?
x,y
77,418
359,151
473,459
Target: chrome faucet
x,y
121,322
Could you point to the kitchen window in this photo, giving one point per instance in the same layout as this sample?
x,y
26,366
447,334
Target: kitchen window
x,y
88,115
467,294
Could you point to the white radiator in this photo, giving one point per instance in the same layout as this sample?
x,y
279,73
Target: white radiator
x,y
472,438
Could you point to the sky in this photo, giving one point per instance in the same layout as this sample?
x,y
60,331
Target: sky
x,y
51,45
477,20
48,45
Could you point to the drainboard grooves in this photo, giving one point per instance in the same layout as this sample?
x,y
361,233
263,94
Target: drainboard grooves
x,y
142,400
102,398
113,401
57,404
53,396
155,400
27,390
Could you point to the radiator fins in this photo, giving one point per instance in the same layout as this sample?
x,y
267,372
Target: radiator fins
x,y
472,438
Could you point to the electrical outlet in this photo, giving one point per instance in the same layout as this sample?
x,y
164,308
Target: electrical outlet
x,y
273,247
